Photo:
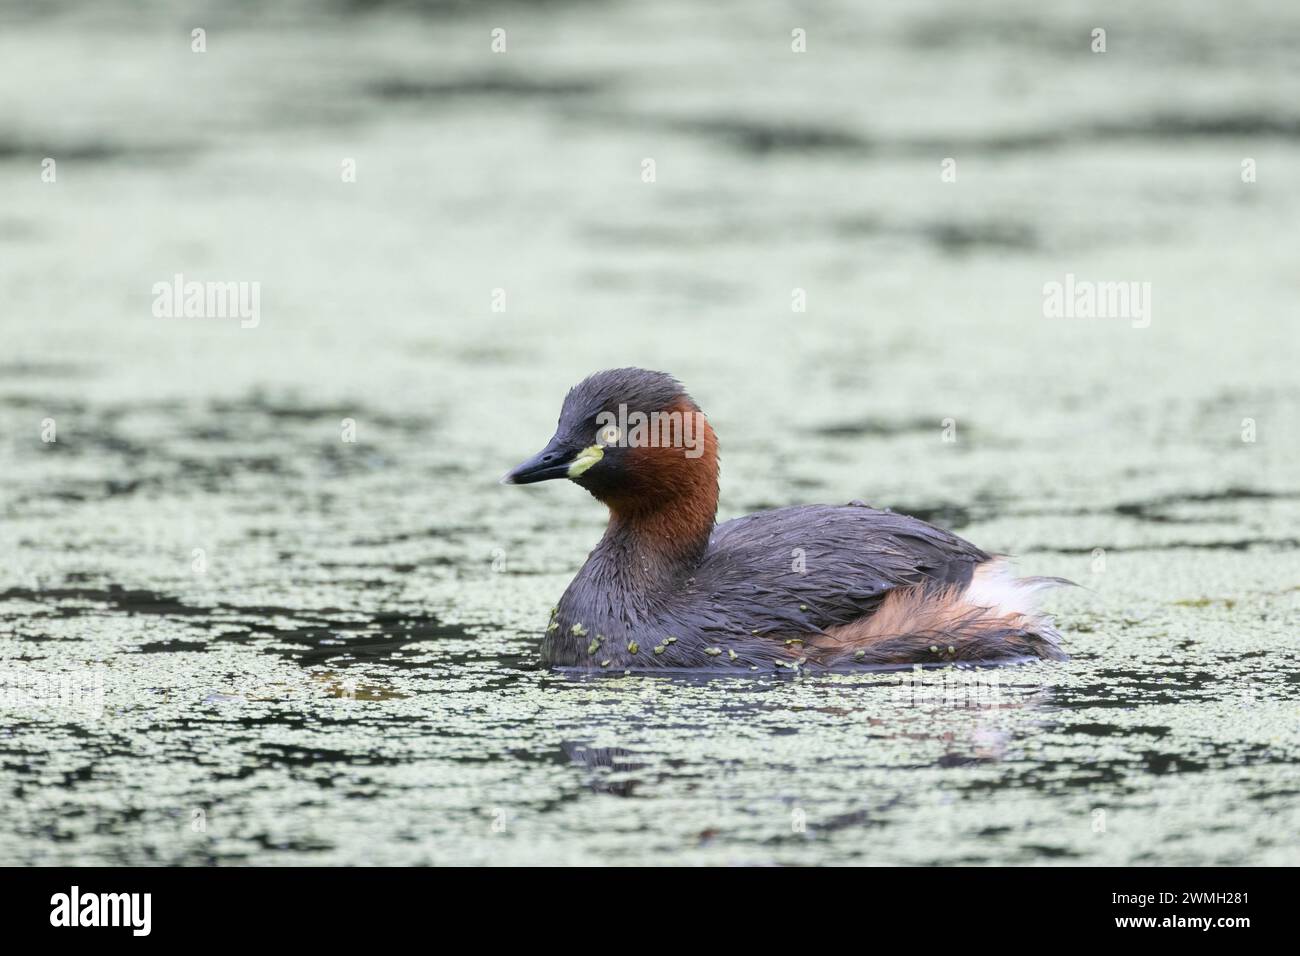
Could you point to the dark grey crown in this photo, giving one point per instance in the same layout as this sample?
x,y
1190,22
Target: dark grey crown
x,y
640,389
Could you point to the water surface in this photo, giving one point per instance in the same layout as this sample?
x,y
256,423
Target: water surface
x,y
299,649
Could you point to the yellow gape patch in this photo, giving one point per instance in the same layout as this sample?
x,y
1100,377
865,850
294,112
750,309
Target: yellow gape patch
x,y
586,458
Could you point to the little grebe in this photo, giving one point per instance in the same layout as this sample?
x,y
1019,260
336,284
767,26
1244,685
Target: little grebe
x,y
814,585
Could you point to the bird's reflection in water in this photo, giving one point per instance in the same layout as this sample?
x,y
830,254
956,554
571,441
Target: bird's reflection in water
x,y
920,707
605,761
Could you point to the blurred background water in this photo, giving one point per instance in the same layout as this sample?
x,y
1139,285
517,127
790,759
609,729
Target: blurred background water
x,y
307,649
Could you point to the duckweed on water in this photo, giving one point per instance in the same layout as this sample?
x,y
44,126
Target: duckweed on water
x,y
350,681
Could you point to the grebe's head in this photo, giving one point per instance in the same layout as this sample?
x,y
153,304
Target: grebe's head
x,y
631,437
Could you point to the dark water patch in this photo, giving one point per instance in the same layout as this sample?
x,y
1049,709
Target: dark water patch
x,y
1051,852
38,369
247,419
362,644
761,138
1226,603
259,428
955,237
1154,509
405,567
1111,730
439,533
854,819
330,635
965,760
943,515
291,409
266,842
817,829
92,151
877,428
172,647
825,828
262,406
293,719
132,601
97,438
752,136
210,475
507,87
1164,126
273,755
1125,690
335,636
1160,129
1158,763
949,237
224,467
45,405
